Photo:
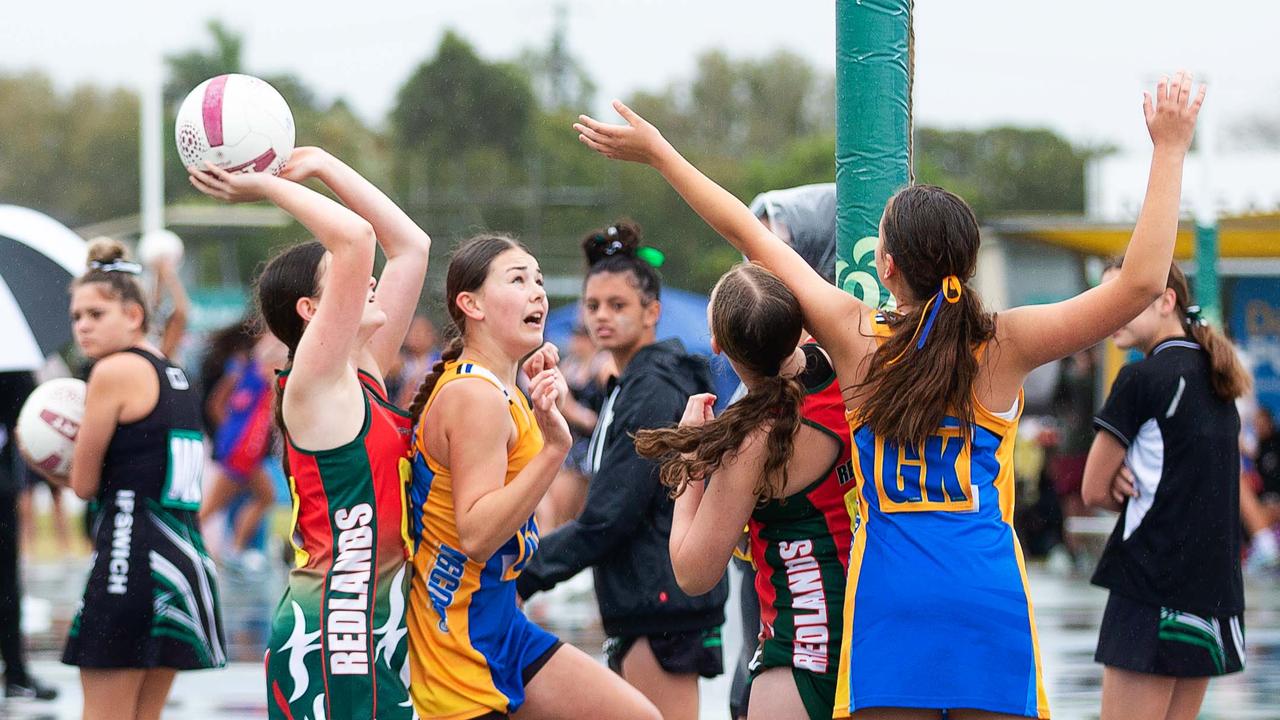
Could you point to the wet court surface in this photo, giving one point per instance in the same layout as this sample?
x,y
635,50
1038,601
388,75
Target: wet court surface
x,y
1067,612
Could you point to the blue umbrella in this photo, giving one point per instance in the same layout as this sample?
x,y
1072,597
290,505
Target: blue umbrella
x,y
684,316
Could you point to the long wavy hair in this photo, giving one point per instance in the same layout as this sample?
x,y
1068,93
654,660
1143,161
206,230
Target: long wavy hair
x,y
920,374
756,321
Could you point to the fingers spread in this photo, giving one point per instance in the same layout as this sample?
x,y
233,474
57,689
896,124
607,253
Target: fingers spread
x,y
598,147
597,126
593,134
1199,100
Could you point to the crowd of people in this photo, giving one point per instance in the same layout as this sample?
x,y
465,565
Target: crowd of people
x,y
864,475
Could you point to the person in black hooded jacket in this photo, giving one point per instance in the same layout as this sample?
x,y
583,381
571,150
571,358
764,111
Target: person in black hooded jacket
x,y
660,639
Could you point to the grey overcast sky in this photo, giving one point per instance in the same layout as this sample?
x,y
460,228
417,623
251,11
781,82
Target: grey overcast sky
x,y
1077,67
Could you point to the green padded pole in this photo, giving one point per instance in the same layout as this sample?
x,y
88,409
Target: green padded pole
x,y
873,132
1207,290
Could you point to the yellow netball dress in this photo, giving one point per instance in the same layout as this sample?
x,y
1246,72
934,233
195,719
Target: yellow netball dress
x,y
937,613
472,651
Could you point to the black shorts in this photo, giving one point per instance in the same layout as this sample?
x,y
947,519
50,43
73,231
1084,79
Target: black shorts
x,y
1161,641
681,653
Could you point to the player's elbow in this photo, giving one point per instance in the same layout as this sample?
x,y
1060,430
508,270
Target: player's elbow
x,y
477,543
1095,495
83,489
694,580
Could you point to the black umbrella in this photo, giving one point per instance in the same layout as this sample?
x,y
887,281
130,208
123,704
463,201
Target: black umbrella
x,y
38,258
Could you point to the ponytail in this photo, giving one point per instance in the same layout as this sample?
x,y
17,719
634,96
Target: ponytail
x,y
694,453
926,368
1226,373
451,352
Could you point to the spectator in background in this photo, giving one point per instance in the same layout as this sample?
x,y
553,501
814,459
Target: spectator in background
x,y
417,354
225,347
1260,490
243,405
14,389
1073,405
170,302
586,370
1267,460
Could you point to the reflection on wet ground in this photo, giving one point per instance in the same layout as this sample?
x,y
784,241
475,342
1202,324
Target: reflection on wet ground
x,y
1067,612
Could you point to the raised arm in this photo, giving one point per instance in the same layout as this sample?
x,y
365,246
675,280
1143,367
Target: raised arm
x,y
827,310
1034,335
322,359
169,281
404,243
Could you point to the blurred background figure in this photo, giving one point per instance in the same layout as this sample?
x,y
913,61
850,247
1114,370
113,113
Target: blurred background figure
x,y
587,370
242,407
418,353
18,683
1072,408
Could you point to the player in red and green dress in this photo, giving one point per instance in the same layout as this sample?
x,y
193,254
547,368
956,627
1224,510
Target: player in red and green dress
x,y
338,645
778,462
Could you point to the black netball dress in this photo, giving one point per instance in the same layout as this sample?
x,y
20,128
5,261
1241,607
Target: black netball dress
x,y
152,596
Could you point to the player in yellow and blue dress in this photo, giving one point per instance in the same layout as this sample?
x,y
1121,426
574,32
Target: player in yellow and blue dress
x,y
937,620
483,457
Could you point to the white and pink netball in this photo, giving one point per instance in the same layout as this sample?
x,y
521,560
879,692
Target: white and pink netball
x,y
237,122
49,422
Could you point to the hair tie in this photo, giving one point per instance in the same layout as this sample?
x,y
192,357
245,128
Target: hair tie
x,y
651,255
1194,317
952,288
608,240
951,291
124,266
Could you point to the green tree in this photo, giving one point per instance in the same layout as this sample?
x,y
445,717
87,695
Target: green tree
x,y
457,101
72,156
1004,170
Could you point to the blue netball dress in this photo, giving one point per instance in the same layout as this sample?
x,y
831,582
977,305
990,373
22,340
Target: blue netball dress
x,y
937,613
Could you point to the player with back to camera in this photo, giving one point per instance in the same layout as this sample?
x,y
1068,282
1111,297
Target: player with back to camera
x,y
778,461
150,606
937,614
337,647
484,457
1175,615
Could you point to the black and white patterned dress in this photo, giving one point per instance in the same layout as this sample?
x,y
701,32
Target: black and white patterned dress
x,y
152,596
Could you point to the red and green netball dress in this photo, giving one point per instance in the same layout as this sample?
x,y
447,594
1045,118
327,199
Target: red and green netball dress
x,y
800,545
338,647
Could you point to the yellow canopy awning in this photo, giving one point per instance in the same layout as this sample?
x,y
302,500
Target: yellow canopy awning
x,y
1253,236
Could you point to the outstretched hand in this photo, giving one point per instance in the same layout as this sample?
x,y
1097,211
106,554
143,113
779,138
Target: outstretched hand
x,y
230,187
1171,115
637,141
